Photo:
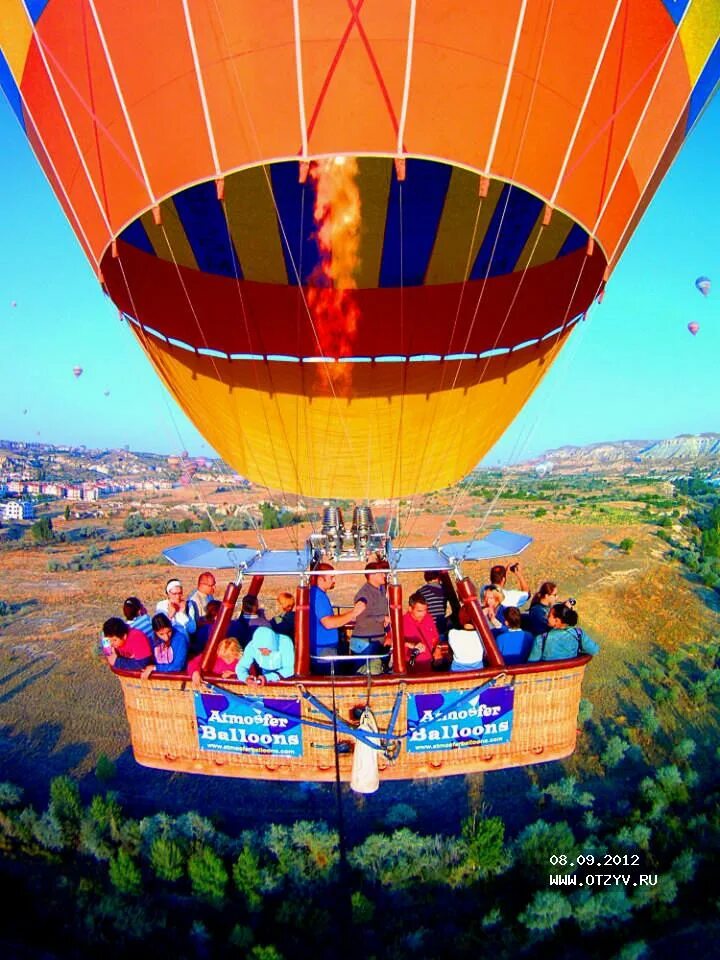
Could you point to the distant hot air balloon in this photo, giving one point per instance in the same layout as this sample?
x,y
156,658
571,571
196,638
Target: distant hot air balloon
x,y
13,303
703,284
77,371
106,393
496,218
24,411
693,327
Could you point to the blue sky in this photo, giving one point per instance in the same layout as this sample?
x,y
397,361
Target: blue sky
x,y
631,371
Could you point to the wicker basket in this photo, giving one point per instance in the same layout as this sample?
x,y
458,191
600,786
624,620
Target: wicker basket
x,y
161,712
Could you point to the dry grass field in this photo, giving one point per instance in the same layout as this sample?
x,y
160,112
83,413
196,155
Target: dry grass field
x,y
60,707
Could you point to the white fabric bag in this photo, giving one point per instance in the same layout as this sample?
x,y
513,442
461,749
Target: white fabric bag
x,y
365,777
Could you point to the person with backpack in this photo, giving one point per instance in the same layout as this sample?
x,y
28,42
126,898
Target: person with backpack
x,y
564,640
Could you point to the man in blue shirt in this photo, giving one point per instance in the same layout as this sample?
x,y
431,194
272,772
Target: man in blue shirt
x,y
324,623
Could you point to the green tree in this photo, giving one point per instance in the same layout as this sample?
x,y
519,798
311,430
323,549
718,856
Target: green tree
x,y
67,511
626,545
66,807
42,531
248,878
614,752
485,838
270,516
167,859
105,769
125,874
208,876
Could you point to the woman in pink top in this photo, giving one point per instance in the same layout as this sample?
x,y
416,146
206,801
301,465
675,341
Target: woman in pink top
x,y
420,635
223,664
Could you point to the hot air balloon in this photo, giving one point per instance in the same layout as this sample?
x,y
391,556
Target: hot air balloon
x,y
693,327
77,371
353,238
418,331
24,412
703,284
13,303
106,393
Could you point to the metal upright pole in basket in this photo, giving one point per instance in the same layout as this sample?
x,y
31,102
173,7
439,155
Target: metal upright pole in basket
x,y
345,901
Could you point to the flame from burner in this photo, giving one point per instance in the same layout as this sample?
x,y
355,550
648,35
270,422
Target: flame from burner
x,y
331,300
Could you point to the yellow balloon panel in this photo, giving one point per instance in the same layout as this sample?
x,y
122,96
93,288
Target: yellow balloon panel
x,y
379,430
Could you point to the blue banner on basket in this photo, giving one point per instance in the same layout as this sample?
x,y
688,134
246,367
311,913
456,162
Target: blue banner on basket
x,y
450,721
241,724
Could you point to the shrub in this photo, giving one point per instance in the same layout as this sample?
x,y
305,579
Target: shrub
x,y
585,711
541,840
399,815
615,751
545,911
105,769
649,721
5,608
626,545
363,909
684,749
10,795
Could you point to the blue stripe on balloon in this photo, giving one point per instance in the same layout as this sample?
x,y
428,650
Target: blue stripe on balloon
x,y
297,224
706,83
676,9
9,88
136,235
201,215
514,218
36,8
576,239
423,196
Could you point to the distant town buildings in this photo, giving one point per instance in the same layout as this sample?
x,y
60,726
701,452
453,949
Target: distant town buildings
x,y
18,510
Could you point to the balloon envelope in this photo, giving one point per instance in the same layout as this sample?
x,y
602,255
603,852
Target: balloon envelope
x,y
390,362
703,284
693,327
77,371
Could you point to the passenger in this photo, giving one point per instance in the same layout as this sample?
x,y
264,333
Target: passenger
x,y
130,647
176,608
434,593
564,640
199,640
498,578
170,647
535,621
249,620
467,648
223,664
492,601
513,642
284,622
420,635
324,623
270,654
370,632
201,596
136,616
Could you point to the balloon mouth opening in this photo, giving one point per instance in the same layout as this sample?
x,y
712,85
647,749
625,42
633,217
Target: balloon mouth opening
x,y
353,263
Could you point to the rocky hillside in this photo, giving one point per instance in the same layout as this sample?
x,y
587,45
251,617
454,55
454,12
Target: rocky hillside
x,y
684,452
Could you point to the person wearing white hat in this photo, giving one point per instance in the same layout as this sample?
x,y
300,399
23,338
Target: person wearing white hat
x,y
176,608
